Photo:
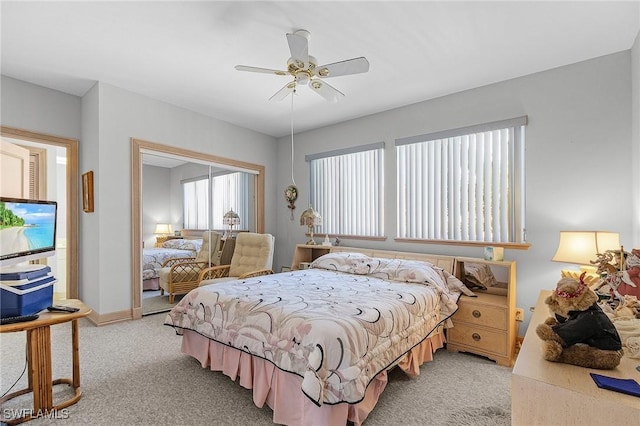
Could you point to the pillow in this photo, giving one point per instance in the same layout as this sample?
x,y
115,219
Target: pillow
x,y
340,261
182,244
424,272
404,270
479,275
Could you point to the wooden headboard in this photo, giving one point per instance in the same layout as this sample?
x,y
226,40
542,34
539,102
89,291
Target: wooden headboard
x,y
192,234
448,263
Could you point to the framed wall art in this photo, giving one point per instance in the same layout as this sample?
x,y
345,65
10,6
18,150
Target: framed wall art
x,y
87,192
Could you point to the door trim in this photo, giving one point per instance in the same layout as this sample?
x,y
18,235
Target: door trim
x,y
71,146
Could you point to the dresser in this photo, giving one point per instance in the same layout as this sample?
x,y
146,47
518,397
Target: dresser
x,y
545,393
486,325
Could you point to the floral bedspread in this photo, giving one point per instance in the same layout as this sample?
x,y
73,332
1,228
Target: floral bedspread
x,y
152,259
337,325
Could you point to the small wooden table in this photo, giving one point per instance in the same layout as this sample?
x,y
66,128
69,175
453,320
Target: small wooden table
x,y
39,360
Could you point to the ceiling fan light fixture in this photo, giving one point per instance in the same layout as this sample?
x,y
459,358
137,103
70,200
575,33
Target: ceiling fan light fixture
x,y
305,71
302,78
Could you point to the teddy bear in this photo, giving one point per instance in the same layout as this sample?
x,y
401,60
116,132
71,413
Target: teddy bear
x,y
579,333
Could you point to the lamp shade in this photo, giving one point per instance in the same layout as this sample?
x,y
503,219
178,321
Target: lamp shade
x,y
310,217
163,228
231,218
581,247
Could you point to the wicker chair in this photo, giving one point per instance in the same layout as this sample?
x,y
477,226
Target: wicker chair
x,y
252,256
181,275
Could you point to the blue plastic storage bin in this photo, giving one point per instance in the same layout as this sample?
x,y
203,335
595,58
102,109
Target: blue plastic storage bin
x,y
25,298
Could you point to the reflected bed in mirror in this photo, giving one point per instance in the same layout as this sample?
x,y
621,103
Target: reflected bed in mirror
x,y
481,277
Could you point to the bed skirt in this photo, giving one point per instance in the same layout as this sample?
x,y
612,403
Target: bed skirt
x,y
151,284
280,390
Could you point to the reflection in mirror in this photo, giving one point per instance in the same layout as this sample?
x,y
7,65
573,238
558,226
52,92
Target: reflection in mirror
x,y
183,199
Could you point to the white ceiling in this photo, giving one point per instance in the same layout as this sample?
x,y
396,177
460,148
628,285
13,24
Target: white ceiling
x,y
184,53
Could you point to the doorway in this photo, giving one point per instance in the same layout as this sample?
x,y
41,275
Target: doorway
x,y
64,164
140,149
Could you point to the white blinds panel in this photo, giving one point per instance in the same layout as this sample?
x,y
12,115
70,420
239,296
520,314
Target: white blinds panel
x,y
464,188
346,192
227,191
505,229
437,203
457,188
195,199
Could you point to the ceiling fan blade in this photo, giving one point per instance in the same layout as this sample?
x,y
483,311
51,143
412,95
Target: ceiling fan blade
x,y
299,47
284,92
262,70
325,90
350,66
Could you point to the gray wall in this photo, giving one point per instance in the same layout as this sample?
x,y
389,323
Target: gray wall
x,y
39,109
156,201
577,171
124,115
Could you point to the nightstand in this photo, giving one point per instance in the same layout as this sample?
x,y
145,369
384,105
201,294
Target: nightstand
x,y
308,253
163,238
486,325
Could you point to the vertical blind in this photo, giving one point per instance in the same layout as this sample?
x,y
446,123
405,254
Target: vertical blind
x,y
196,204
228,191
463,185
346,189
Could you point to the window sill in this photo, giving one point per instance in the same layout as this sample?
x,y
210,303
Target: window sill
x,y
511,246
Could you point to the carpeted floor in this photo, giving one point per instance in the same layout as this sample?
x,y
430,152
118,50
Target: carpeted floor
x,y
134,373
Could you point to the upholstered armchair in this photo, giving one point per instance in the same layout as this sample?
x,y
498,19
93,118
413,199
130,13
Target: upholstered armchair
x,y
252,256
181,275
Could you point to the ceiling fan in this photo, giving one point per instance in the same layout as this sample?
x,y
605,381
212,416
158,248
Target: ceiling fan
x,y
305,70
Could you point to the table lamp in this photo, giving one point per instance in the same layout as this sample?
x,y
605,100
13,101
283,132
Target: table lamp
x,y
581,247
231,219
310,218
163,229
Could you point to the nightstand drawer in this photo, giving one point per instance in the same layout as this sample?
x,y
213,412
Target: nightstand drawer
x,y
480,338
480,314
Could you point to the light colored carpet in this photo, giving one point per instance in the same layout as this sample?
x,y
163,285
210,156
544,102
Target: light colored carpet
x,y
134,373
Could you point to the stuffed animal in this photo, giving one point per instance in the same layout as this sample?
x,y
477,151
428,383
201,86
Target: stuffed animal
x,y
580,333
628,308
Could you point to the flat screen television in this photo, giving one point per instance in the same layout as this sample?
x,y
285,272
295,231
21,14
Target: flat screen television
x,y
27,230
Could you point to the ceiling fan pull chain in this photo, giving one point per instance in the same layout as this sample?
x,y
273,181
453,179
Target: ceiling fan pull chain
x,y
292,95
291,192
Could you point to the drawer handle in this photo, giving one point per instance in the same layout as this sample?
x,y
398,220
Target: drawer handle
x,y
476,337
476,314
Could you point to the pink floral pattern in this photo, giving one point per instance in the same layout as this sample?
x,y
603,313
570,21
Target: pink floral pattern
x,y
335,330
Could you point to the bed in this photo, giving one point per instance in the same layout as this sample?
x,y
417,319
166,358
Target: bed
x,y
315,345
153,258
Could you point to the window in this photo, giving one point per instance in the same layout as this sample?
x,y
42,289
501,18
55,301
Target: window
x,y
229,191
464,185
346,189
